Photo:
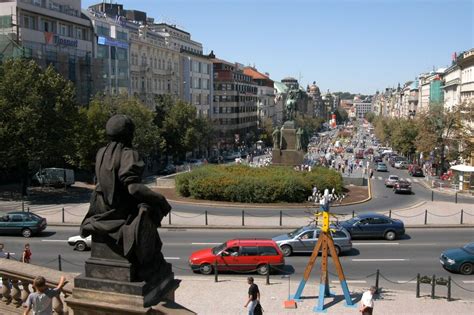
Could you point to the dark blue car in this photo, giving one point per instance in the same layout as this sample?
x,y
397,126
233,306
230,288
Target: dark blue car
x,y
459,259
373,225
24,223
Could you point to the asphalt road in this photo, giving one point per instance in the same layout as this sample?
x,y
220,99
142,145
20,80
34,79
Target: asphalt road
x,y
398,261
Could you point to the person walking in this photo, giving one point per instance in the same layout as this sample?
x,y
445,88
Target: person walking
x,y
25,258
254,296
367,301
41,301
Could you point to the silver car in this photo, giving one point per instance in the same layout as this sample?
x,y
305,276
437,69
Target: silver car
x,y
303,240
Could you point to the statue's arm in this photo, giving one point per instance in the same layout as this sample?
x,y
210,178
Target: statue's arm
x,y
144,194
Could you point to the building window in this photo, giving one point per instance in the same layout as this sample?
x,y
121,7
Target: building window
x,y
121,35
103,31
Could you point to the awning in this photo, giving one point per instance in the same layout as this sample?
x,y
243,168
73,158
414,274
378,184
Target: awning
x,y
463,168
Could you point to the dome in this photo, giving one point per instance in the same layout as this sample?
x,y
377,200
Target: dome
x,y
313,88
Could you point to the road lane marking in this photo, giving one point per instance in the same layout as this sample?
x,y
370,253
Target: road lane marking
x,y
172,258
54,241
350,281
378,259
374,243
206,243
468,281
409,180
379,178
415,180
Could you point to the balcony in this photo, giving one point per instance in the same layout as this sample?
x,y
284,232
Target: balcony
x,y
16,286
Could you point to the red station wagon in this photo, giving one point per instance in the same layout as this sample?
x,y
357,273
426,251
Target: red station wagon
x,y
238,255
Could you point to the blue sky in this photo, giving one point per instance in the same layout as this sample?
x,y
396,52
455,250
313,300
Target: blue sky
x,y
356,46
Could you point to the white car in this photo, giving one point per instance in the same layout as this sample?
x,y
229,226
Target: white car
x,y
80,243
391,180
401,164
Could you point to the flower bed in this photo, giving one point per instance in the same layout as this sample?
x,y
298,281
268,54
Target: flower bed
x,y
240,183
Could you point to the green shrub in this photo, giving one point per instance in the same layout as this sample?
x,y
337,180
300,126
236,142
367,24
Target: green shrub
x,y
240,183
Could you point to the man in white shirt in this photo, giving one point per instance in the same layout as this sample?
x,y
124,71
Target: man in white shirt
x,y
367,301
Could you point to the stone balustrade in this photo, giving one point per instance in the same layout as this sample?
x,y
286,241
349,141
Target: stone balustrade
x,y
16,285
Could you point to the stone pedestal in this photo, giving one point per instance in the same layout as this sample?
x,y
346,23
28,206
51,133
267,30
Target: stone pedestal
x,y
110,286
287,154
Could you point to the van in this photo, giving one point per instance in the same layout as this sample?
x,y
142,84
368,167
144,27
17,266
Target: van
x,y
54,177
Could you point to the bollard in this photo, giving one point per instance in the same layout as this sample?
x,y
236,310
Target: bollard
x,y
433,285
169,218
243,220
432,195
426,216
60,267
22,206
281,218
216,276
377,275
390,213
268,274
462,215
8,255
28,209
449,289
353,213
62,219
205,216
456,197
418,285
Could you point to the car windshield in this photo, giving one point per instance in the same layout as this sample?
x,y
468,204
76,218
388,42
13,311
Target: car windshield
x,y
35,217
393,178
295,232
216,250
469,248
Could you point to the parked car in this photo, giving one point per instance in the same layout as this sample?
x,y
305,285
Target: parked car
x,y
395,159
373,225
168,169
378,159
459,259
402,186
359,154
238,255
402,164
391,180
369,151
381,167
349,150
80,243
303,240
24,223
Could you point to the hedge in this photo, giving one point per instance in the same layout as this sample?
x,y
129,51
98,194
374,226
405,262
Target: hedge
x,y
241,183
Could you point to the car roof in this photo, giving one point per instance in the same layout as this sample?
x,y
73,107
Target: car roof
x,y
372,215
17,212
251,242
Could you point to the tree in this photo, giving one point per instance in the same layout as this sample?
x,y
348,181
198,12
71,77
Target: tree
x,y
90,128
403,136
341,115
369,116
267,131
438,128
180,130
37,113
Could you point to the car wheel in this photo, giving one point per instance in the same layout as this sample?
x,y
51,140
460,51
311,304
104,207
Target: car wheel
x,y
26,232
80,246
390,235
466,269
262,269
286,250
205,269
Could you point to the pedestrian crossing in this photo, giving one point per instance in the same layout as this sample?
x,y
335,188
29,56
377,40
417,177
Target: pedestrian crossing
x,y
408,179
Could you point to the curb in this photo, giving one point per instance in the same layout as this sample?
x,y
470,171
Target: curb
x,y
277,227
278,205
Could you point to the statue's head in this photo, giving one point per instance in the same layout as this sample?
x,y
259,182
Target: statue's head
x,y
120,128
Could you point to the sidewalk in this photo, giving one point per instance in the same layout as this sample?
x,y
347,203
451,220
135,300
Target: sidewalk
x,y
233,295
444,187
437,214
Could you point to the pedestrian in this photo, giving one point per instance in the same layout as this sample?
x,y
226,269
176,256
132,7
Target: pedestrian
x,y
371,173
26,254
40,301
254,296
367,301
